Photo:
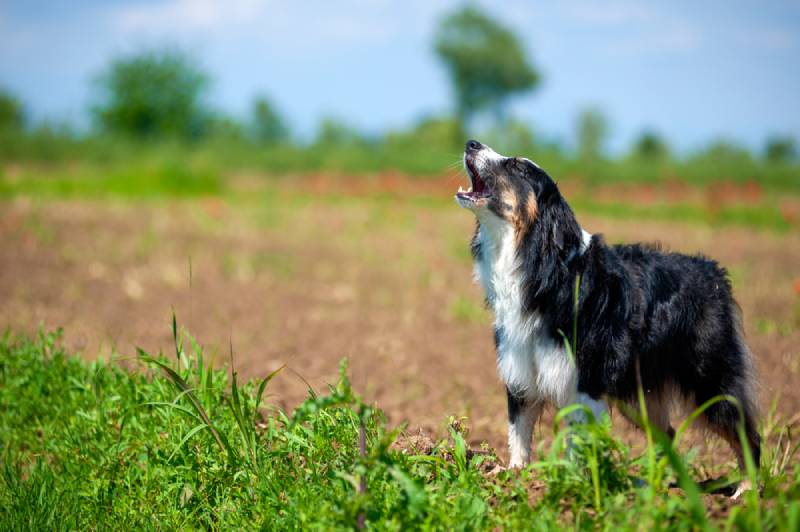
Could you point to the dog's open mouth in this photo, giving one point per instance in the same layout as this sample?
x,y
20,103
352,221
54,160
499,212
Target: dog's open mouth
x,y
479,189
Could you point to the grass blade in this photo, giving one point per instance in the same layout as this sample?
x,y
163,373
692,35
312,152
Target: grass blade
x,y
181,384
175,337
186,438
179,408
263,386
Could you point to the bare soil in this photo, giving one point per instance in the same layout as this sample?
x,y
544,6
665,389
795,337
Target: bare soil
x,y
384,281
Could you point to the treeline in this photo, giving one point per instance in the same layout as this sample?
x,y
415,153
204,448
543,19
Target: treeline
x,y
154,103
264,142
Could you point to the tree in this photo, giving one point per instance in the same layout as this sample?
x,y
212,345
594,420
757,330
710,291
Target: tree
x,y
592,129
650,146
727,150
12,117
153,94
780,149
486,62
224,127
334,132
268,125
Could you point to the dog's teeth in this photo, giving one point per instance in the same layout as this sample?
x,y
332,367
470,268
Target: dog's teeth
x,y
460,189
470,190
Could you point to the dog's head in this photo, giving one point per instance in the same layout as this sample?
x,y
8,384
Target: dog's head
x,y
513,192
512,189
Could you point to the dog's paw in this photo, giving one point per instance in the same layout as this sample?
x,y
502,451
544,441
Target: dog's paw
x,y
743,487
495,470
499,468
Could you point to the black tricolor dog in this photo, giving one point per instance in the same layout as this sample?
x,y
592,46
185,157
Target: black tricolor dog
x,y
665,320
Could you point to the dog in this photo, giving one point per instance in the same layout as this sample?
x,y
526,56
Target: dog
x,y
665,322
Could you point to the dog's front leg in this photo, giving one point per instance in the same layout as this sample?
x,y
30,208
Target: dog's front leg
x,y
522,415
597,407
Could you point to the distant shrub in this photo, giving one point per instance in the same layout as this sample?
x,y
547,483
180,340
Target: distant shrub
x,y
334,132
651,146
780,150
267,124
153,94
591,130
12,116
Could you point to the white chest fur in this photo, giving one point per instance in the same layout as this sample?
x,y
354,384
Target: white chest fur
x,y
530,362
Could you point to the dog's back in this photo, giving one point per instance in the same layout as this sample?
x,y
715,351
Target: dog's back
x,y
678,327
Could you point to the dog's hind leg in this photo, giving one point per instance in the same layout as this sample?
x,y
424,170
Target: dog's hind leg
x,y
724,418
658,412
522,416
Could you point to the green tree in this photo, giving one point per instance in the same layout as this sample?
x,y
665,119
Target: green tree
x,y
780,149
650,145
334,132
722,158
592,130
12,117
153,94
225,127
268,125
726,150
486,62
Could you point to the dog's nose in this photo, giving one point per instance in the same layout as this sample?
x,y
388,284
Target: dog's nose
x,y
474,145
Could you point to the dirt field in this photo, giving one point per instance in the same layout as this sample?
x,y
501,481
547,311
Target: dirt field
x,y
294,278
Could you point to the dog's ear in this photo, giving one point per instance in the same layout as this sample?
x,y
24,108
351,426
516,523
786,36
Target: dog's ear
x,y
558,237
557,225
554,239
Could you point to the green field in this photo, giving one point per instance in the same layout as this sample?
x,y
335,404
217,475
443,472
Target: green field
x,y
772,204
178,445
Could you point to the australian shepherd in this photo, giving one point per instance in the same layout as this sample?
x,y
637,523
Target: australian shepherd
x,y
663,321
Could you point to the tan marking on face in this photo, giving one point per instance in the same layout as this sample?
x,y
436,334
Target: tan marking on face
x,y
509,197
532,207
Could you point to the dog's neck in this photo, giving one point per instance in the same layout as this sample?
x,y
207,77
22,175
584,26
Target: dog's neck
x,y
522,282
497,263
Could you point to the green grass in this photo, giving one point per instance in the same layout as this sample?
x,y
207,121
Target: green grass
x,y
179,445
164,177
149,178
418,152
763,216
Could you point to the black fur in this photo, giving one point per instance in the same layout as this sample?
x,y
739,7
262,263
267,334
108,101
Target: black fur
x,y
669,316
515,405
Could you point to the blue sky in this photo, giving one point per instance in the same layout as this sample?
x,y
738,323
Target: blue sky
x,y
694,71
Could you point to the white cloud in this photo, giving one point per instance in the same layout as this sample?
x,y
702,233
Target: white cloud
x,y
184,15
311,24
